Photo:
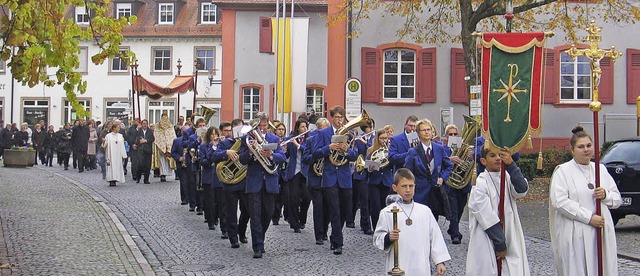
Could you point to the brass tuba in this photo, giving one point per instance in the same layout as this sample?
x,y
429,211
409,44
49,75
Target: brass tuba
x,y
339,158
229,171
462,173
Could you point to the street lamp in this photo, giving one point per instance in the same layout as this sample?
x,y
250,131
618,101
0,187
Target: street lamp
x,y
211,74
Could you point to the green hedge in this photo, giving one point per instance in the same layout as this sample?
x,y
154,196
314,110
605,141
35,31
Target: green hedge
x,y
551,157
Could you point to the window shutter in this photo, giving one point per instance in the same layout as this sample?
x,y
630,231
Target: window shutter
x,y
371,75
633,75
458,84
426,76
265,35
606,81
551,77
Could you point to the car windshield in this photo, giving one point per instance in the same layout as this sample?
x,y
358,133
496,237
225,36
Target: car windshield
x,y
627,151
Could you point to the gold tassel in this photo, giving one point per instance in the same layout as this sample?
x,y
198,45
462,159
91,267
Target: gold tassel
x,y
474,174
529,143
539,165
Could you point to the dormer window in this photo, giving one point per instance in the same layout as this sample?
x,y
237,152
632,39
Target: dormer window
x,y
208,13
165,13
82,15
123,10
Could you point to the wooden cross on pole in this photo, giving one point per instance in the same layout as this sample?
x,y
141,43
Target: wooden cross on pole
x,y
595,54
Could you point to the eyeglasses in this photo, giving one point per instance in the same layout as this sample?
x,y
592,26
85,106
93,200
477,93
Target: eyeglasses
x,y
452,134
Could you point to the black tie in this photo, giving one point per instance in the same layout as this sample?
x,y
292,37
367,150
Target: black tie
x,y
429,155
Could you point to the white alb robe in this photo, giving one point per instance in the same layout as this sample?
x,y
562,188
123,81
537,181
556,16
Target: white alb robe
x,y
483,213
418,243
114,153
571,205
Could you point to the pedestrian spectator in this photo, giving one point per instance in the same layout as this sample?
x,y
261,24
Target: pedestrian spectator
x,y
37,139
115,153
49,146
25,128
144,141
64,145
80,143
5,139
91,148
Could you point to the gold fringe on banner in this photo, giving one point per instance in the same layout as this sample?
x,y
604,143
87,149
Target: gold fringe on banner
x,y
529,143
539,165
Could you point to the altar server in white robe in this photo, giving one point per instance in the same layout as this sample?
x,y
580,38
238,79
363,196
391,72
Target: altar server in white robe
x,y
419,236
572,208
488,240
115,153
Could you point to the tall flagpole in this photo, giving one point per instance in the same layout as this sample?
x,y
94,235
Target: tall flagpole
x,y
595,54
277,51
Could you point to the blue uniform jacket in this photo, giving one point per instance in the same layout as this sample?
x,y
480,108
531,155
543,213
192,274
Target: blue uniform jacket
x,y
256,173
330,173
398,148
415,162
205,156
220,155
292,154
176,151
307,158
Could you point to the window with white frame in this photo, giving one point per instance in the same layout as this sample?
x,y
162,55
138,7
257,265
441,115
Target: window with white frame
x,y
118,64
161,59
83,60
315,100
70,114
399,75
35,110
165,13
82,15
208,13
157,108
250,102
575,79
205,58
123,10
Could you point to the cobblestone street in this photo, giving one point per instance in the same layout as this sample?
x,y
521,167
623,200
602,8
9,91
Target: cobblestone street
x,y
57,222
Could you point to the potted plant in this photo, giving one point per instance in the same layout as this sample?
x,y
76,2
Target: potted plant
x,y
19,157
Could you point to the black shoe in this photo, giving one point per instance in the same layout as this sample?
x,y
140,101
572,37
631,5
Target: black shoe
x,y
224,236
211,227
368,232
456,240
147,182
296,230
243,240
163,179
302,226
138,181
235,245
337,251
112,183
80,171
351,225
191,209
199,213
319,242
257,254
66,168
184,203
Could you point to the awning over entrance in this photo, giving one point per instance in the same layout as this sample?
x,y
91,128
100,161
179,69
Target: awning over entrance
x,y
180,84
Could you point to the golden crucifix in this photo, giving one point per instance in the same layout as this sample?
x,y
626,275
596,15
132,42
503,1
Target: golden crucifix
x,y
510,89
594,54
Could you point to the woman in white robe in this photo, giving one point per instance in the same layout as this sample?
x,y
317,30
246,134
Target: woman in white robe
x,y
115,153
572,207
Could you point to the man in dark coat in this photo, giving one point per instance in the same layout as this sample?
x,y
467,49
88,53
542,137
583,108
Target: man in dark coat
x,y
131,136
64,145
5,139
144,142
80,143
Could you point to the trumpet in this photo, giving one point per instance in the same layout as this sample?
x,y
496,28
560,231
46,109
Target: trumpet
x,y
284,143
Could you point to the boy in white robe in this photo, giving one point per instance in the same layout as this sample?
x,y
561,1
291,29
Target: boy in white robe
x,y
488,240
421,239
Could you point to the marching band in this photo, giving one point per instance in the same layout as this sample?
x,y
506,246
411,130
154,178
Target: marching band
x,y
337,167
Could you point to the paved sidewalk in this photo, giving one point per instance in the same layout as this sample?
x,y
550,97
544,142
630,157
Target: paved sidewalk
x,y
177,242
51,226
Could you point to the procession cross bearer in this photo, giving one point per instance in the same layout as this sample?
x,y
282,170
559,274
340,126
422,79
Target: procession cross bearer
x,y
595,54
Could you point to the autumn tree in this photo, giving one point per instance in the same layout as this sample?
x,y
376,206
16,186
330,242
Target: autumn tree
x,y
434,21
37,36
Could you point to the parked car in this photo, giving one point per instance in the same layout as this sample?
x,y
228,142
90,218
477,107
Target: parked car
x,y
622,160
